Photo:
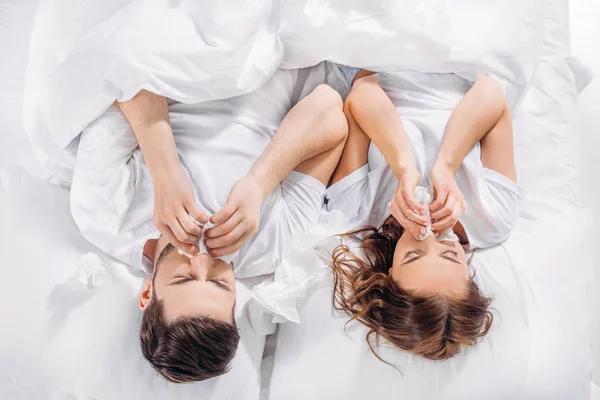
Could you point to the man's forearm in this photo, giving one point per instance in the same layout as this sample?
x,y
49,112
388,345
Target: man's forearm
x,y
305,132
474,116
148,115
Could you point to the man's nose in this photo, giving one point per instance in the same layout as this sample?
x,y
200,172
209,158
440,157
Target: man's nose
x,y
201,262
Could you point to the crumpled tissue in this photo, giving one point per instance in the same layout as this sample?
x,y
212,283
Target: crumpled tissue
x,y
303,265
90,273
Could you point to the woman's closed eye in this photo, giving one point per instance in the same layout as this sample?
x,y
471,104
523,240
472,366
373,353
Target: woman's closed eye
x,y
414,253
454,253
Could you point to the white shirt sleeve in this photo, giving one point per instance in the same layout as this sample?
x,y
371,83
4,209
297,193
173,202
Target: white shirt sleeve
x,y
106,190
491,219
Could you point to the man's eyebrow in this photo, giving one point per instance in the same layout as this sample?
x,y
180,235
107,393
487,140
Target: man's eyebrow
x,y
451,259
180,281
220,284
412,260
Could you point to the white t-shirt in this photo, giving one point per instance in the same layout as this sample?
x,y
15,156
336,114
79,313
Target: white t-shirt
x,y
425,102
218,141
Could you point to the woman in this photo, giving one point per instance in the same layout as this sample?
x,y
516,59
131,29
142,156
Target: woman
x,y
439,131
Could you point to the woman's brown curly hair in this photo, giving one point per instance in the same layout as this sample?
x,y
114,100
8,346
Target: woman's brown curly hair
x,y
433,326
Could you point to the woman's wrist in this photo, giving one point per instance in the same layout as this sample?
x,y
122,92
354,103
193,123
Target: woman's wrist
x,y
401,167
445,163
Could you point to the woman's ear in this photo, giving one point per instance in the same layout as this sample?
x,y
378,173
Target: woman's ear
x,y
146,294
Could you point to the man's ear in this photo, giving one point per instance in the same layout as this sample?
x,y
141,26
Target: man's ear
x,y
146,294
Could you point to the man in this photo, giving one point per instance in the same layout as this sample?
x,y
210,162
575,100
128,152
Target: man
x,y
255,166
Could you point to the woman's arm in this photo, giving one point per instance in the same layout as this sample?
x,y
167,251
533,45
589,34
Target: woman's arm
x,y
374,113
475,119
482,115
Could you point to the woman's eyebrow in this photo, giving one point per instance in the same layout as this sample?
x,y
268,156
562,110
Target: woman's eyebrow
x,y
412,259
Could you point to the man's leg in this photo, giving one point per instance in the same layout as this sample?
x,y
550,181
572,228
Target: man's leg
x,y
330,127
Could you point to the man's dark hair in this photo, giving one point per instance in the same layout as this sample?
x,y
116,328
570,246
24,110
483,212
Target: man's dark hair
x,y
189,349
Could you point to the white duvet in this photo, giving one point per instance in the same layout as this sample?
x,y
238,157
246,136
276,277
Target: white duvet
x,y
87,54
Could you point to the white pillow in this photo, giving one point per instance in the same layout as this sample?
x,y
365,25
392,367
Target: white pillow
x,y
57,340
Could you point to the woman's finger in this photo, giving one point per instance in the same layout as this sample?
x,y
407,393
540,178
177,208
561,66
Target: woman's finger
x,y
447,223
413,228
225,240
409,196
410,213
439,202
446,210
224,228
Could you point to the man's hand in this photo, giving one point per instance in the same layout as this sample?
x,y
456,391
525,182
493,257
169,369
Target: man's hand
x,y
405,208
174,208
237,221
449,203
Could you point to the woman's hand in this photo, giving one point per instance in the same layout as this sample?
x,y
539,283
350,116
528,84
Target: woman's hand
x,y
238,220
174,208
405,208
449,202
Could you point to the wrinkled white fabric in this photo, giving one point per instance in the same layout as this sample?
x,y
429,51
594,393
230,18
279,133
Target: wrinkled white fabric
x,y
87,54
112,196
425,103
301,268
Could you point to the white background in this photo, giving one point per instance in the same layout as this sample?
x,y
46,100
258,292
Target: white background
x,y
585,44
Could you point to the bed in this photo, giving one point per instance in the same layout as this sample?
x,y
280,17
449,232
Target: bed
x,y
63,343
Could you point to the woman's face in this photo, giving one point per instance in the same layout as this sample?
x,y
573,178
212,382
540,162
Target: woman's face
x,y
430,266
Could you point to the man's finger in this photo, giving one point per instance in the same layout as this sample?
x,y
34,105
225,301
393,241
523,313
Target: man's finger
x,y
225,240
439,202
223,251
195,211
224,228
186,248
223,214
180,234
188,225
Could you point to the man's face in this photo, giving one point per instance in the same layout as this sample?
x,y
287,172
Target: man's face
x,y
198,286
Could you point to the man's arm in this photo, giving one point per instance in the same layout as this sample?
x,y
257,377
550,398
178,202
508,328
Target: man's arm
x,y
310,140
174,202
